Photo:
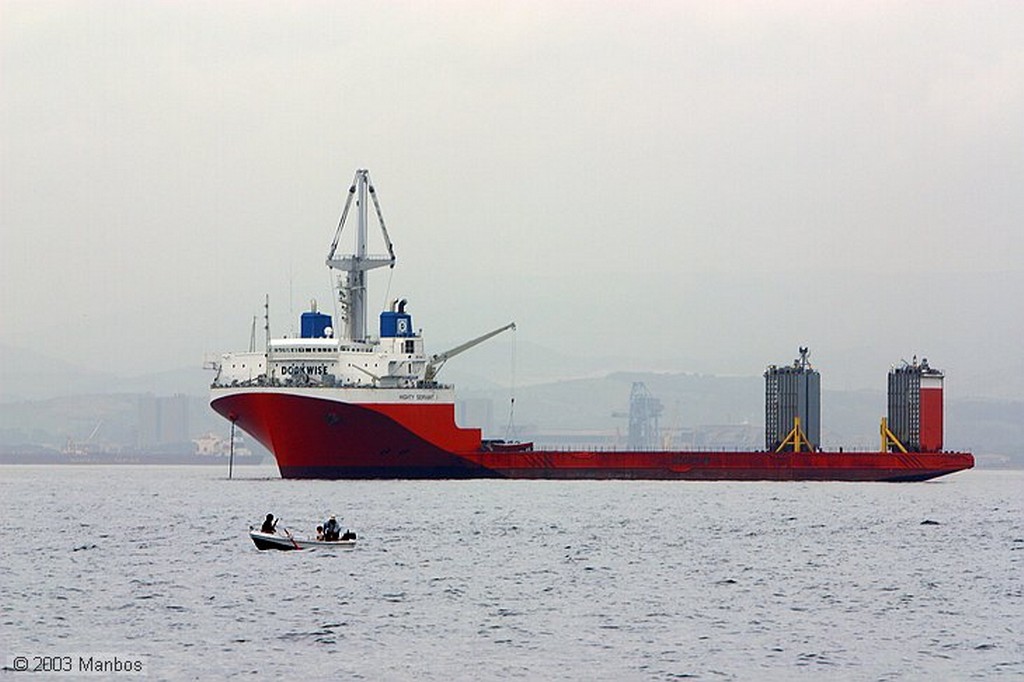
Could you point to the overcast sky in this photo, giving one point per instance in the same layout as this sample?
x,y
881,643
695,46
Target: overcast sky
x,y
696,186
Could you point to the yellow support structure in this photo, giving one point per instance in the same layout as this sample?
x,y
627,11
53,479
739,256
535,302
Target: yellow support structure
x,y
796,437
889,438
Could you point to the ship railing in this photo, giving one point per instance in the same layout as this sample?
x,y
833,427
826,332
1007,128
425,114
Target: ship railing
x,y
311,382
538,445
561,447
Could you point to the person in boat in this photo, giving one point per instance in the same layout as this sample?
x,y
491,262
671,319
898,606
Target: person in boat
x,y
331,529
320,533
269,525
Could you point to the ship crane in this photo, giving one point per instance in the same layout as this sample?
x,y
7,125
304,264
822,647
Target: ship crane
x,y
352,288
437,361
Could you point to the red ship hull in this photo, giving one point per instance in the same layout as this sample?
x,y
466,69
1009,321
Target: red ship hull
x,y
331,439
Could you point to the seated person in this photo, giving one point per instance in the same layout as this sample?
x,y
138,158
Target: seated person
x,y
320,533
331,529
269,524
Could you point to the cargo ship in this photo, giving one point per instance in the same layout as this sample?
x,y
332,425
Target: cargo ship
x,y
345,403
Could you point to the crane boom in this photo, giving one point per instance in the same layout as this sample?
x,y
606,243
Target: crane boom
x,y
352,290
437,361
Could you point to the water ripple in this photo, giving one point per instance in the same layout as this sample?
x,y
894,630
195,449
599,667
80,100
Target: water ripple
x,y
530,580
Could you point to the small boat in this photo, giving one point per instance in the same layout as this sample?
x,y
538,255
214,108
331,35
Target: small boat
x,y
287,541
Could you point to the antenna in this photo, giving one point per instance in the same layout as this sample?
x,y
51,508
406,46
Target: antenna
x,y
266,330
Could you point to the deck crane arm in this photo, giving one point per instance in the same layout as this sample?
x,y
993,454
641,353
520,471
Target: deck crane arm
x,y
383,227
341,223
437,361
361,261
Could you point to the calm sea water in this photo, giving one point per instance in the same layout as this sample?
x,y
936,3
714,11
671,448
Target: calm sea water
x,y
515,579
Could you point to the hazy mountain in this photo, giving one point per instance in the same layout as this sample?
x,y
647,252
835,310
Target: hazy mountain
x,y
28,375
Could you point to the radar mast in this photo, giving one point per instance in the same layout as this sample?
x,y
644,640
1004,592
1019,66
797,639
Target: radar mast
x,y
352,287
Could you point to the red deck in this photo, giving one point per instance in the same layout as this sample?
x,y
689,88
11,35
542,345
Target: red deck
x,y
315,438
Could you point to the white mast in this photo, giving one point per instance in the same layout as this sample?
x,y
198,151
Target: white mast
x,y
352,292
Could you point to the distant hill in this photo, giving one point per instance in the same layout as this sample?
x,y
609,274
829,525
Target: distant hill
x,y
28,375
